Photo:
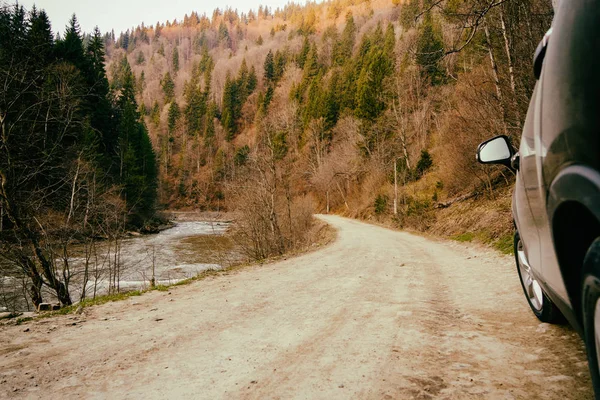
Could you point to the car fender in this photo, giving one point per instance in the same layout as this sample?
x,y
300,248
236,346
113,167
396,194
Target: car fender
x,y
575,183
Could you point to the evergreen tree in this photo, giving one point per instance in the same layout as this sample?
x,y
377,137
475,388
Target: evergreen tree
x,y
252,80
173,117
430,50
424,164
209,128
224,34
389,45
311,68
124,40
175,60
279,61
155,114
332,104
140,58
370,102
39,38
141,83
343,49
196,107
301,58
269,69
243,77
137,164
102,115
231,105
71,48
315,106
168,87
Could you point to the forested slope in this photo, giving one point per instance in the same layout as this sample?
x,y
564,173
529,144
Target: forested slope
x,y
313,105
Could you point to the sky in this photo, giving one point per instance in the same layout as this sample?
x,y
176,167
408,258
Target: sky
x,y
121,15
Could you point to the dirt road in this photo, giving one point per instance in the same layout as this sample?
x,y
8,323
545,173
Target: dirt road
x,y
377,314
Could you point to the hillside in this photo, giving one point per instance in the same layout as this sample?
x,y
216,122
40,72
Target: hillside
x,y
276,113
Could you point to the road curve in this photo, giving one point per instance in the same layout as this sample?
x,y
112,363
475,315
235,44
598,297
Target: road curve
x,y
377,314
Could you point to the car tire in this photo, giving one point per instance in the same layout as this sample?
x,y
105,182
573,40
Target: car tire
x,y
539,302
591,310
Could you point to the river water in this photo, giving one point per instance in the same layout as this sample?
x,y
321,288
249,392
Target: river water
x,y
173,260
177,253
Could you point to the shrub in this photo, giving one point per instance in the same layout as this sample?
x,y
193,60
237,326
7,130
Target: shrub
x,y
381,203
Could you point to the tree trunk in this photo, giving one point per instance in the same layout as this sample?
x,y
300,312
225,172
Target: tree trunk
x,y
511,70
496,77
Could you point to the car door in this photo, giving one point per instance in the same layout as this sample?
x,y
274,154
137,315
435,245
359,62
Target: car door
x,y
526,188
541,253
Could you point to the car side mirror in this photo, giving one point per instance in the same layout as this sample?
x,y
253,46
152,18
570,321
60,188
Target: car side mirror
x,y
497,150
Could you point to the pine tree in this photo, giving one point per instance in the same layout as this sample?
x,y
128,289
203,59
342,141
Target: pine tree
x,y
269,68
196,107
311,68
389,45
175,60
430,50
332,104
71,47
224,34
370,101
39,37
140,58
343,49
315,106
209,128
137,163
173,117
155,114
102,113
279,65
168,87
243,77
231,105
252,80
301,58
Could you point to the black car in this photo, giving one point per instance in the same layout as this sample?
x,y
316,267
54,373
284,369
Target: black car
x,y
556,200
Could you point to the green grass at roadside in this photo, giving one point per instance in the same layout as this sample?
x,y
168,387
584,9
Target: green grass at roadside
x,y
503,244
464,237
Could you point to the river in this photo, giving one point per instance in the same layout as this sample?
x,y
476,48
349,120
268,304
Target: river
x,y
175,254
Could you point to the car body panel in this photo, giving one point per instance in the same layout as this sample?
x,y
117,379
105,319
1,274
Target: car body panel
x,y
562,129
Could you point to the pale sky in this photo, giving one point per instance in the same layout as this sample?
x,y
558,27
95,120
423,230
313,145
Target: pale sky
x,y
123,14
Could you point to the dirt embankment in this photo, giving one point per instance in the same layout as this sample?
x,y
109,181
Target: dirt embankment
x,y
377,314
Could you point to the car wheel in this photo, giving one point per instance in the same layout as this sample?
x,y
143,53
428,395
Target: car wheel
x,y
591,310
540,304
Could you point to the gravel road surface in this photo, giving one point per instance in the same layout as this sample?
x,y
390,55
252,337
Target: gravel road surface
x,y
378,314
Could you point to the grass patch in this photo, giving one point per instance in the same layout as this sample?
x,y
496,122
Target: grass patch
x,y
207,249
464,237
92,302
22,320
505,244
